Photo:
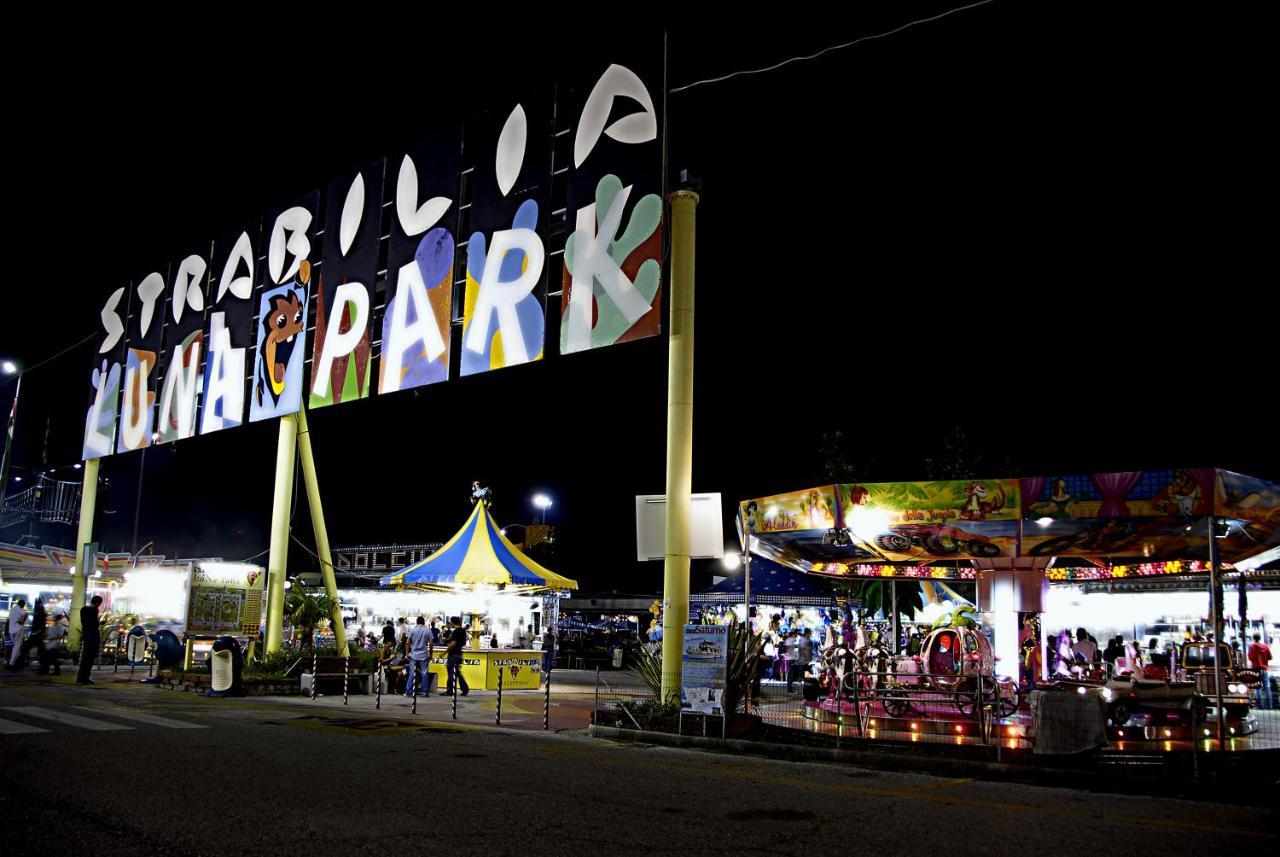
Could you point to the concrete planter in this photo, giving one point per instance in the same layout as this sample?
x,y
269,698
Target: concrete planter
x,y
199,683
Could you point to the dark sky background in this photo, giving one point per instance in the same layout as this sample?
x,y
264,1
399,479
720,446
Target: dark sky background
x,y
1030,227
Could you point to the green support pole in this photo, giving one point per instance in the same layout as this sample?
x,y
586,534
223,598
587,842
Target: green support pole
x,y
278,558
322,533
84,535
675,585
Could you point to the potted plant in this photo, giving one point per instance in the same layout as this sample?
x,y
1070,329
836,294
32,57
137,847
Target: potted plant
x,y
306,611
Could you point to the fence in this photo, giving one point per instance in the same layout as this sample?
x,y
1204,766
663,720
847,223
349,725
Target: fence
x,y
1125,722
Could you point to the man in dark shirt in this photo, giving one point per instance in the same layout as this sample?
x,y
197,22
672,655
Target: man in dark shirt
x,y
90,639
457,642
389,634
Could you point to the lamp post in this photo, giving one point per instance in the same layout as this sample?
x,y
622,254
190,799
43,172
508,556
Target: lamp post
x,y
542,503
9,367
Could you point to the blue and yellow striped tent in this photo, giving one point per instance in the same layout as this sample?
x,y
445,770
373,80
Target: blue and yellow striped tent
x,y
478,553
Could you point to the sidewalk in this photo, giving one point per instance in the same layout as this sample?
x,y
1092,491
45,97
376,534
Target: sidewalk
x,y
572,696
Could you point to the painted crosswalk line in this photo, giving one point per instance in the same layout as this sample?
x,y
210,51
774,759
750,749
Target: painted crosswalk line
x,y
69,719
10,727
151,719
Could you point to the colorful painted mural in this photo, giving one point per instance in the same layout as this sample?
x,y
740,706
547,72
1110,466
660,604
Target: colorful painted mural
x,y
145,336
276,388
230,330
342,354
420,266
183,347
105,379
1145,517
814,509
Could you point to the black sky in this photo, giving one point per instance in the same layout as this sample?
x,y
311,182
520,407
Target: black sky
x,y
1034,227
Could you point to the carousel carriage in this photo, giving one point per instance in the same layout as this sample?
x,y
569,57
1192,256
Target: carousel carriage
x,y
955,661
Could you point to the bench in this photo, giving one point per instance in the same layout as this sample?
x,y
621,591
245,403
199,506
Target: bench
x,y
330,668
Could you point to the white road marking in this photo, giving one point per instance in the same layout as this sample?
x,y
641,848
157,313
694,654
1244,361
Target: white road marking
x,y
10,727
69,719
152,719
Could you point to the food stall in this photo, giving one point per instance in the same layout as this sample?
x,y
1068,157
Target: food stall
x,y
480,576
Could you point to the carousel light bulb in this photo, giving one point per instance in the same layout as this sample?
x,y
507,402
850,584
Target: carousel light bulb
x,y
731,561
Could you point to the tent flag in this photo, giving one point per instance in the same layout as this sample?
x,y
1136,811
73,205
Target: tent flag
x,y
478,553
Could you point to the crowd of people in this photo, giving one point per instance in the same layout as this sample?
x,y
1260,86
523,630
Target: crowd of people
x,y
35,636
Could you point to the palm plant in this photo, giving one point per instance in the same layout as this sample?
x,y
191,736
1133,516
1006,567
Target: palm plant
x,y
876,597
744,661
306,610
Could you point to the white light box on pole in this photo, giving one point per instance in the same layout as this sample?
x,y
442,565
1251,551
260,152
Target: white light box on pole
x,y
706,527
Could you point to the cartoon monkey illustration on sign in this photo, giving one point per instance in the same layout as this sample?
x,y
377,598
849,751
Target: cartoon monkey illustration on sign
x,y
281,327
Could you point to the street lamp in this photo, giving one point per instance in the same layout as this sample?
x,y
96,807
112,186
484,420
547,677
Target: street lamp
x,y
542,503
9,367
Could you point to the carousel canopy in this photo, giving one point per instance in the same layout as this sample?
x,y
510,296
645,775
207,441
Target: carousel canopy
x,y
478,553
1151,516
771,583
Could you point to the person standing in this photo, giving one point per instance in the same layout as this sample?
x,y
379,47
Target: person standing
x,y
389,634
48,653
548,652
420,651
402,636
17,632
35,637
1086,648
457,641
90,639
1260,659
802,656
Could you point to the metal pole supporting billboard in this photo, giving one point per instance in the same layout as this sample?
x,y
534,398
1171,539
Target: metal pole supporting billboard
x,y
675,581
84,535
278,557
323,554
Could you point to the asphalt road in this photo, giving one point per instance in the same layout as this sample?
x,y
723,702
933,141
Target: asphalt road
x,y
123,768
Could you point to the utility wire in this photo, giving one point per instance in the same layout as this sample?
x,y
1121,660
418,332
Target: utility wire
x,y
69,348
824,51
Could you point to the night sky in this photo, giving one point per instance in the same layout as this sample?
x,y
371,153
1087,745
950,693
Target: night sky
x,y
1022,227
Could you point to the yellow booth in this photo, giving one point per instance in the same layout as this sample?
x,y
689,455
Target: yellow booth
x,y
480,556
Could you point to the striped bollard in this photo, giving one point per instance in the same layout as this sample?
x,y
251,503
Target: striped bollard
x,y
546,706
378,688
346,677
456,679
315,666
417,680
498,716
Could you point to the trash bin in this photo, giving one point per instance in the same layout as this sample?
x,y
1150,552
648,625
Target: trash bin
x,y
617,657
226,663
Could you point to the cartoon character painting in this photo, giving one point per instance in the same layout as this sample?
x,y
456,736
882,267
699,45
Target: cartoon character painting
x,y
977,506
280,335
277,376
1180,497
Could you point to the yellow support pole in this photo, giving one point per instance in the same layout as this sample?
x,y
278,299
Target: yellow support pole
x,y
675,585
278,558
322,533
84,535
